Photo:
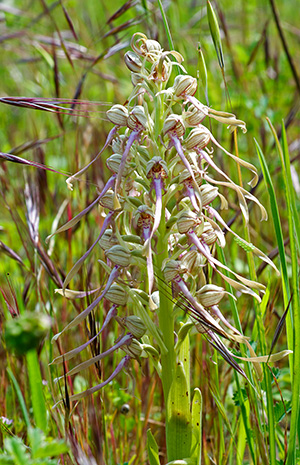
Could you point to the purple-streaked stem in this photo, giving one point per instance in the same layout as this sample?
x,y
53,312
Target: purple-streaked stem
x,y
178,147
79,263
244,283
133,136
72,353
75,176
77,218
15,159
112,277
123,363
125,340
55,105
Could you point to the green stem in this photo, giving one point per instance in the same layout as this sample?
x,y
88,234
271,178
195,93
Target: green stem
x,y
166,323
166,320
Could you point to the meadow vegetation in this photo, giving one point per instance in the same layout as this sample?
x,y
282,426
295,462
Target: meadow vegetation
x,y
149,306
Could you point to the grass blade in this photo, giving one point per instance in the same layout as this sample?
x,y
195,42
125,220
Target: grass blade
x,y
166,25
20,397
37,396
293,221
293,323
279,236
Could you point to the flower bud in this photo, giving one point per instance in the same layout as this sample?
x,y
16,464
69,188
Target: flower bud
x,y
175,124
118,255
198,137
137,118
118,115
210,295
134,349
193,261
107,200
136,79
108,239
135,325
118,144
156,166
132,62
150,350
116,295
208,193
208,235
187,220
151,45
185,176
184,85
113,163
193,116
172,269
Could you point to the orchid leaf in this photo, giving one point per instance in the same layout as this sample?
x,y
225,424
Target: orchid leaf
x,y
152,448
196,426
179,416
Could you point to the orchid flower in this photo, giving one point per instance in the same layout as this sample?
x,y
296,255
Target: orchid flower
x,y
242,242
157,170
193,195
246,285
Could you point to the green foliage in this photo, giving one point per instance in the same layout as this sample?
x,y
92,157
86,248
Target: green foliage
x,y
40,451
76,48
152,447
179,423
